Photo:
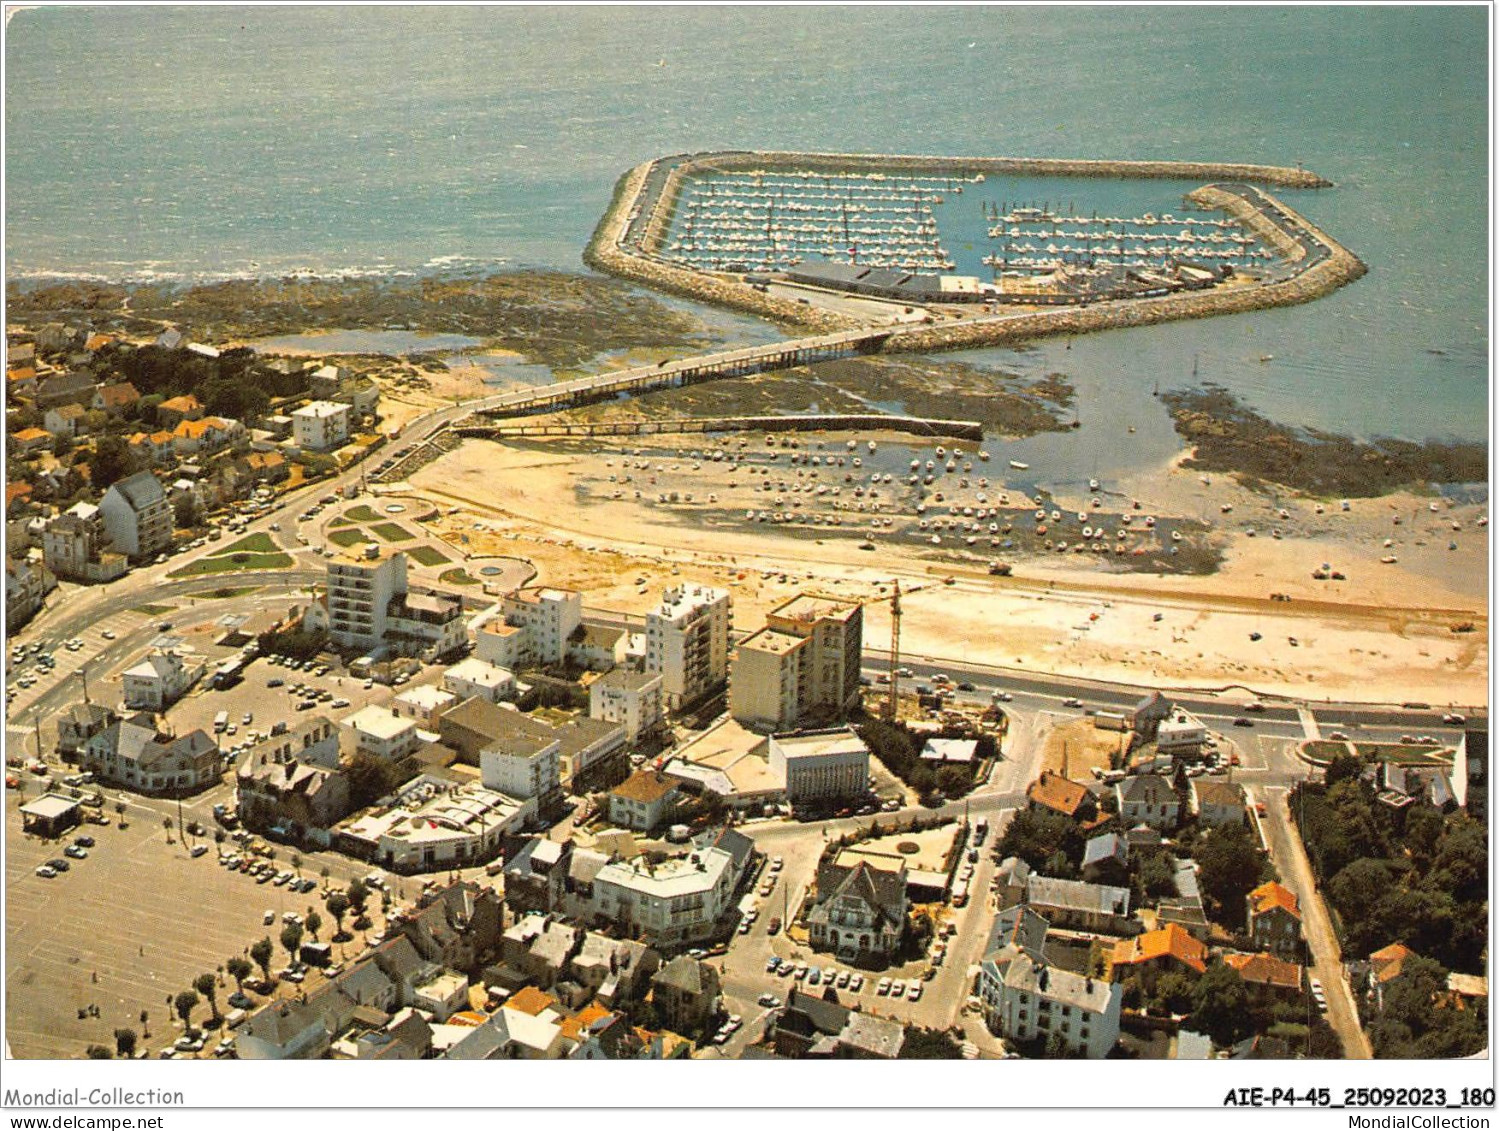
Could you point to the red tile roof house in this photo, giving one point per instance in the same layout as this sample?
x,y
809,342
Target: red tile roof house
x,y
1273,917
30,440
115,399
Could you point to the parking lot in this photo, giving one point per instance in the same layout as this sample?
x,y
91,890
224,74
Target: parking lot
x,y
76,941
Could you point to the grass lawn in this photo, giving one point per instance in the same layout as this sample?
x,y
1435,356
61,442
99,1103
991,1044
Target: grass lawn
x,y
1398,753
428,556
361,513
254,543
1402,754
392,532
241,591
350,537
153,610
458,576
227,563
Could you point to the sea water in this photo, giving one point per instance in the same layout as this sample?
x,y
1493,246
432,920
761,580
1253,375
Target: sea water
x,y
197,142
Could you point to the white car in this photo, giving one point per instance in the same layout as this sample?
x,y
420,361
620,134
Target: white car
x,y
898,989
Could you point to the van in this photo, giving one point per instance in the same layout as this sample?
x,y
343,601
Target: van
x,y
221,722
235,1018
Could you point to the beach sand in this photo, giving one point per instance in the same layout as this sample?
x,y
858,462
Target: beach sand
x,y
1383,635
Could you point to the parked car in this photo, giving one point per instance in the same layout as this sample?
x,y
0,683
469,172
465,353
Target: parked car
x,y
77,852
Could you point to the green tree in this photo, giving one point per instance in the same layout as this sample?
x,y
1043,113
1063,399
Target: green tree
x,y
1419,1019
929,1044
296,863
1461,864
1358,888
359,894
183,1005
207,986
98,1052
125,1042
1171,993
314,924
239,969
1343,767
338,907
1036,835
1231,865
110,461
1220,1006
291,939
261,952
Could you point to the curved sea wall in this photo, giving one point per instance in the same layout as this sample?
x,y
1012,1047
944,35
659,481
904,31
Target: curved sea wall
x,y
1338,268
1331,267
605,252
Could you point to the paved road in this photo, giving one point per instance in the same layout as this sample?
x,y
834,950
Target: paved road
x,y
1327,959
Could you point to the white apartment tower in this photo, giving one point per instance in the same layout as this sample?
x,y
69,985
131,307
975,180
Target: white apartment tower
x,y
548,617
687,641
360,590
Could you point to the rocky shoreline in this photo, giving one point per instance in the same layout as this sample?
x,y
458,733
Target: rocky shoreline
x,y
1228,437
548,317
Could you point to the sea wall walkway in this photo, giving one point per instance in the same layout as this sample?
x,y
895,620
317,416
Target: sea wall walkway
x,y
842,422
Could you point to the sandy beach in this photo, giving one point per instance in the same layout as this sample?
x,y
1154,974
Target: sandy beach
x,y
1055,613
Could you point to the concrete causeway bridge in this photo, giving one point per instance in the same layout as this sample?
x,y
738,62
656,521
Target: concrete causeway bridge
x,y
687,371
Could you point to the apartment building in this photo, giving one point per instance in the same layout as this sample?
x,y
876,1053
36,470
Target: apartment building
x,y
687,642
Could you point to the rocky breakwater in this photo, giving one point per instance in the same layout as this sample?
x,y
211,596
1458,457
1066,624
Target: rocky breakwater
x,y
1282,175
1329,272
606,252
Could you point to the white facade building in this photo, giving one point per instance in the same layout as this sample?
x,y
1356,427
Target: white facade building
x,y
822,765
1024,998
475,677
548,617
805,660
360,590
321,425
423,705
138,516
522,767
382,733
1180,733
503,645
687,642
667,903
631,699
158,680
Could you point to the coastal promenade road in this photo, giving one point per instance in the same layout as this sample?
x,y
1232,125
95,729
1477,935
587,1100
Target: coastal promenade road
x,y
1327,958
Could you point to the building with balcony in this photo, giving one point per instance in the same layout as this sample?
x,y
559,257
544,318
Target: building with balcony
x,y
76,546
138,516
548,617
804,663
687,642
321,425
630,699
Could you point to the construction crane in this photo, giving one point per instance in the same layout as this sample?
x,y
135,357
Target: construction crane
x,y
892,700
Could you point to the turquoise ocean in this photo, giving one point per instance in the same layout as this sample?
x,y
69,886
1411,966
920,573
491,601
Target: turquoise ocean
x,y
204,142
